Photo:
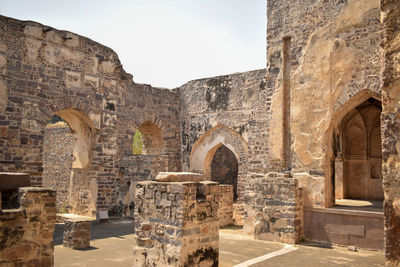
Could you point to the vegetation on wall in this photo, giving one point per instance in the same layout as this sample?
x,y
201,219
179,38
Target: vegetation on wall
x,y
137,147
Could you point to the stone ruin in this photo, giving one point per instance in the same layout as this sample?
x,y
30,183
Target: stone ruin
x,y
176,221
319,125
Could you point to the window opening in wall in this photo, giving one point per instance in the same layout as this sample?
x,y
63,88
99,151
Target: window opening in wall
x,y
224,168
137,143
148,140
358,173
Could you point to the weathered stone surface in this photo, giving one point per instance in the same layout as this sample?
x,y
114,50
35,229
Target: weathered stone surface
x,y
313,189
390,121
76,234
274,208
26,233
176,224
179,177
225,212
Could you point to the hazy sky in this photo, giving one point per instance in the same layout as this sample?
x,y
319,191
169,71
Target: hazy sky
x,y
164,43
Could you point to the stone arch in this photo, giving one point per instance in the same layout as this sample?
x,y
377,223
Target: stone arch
x,y
331,137
153,140
205,147
82,188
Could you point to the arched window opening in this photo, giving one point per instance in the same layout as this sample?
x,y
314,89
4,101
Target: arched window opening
x,y
150,136
224,168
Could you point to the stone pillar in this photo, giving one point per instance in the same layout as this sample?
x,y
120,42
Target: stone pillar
x,y
225,205
76,234
390,123
274,208
176,224
26,233
339,188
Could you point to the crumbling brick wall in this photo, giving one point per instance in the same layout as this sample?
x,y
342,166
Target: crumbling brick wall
x,y
26,233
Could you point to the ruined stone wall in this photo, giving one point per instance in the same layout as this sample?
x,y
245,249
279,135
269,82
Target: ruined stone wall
x,y
26,233
176,224
57,162
44,71
333,56
274,208
133,169
237,102
390,123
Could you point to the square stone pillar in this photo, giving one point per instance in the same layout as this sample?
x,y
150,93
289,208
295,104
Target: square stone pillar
x,y
176,224
76,234
226,205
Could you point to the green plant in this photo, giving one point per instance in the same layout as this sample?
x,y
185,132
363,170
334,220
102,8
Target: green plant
x,y
137,147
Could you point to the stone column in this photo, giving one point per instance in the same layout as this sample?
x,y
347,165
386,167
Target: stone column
x,y
225,205
176,224
390,123
339,188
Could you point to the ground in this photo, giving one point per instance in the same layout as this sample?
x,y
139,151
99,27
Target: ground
x,y
112,245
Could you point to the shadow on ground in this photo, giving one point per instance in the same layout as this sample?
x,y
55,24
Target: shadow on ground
x,y
99,230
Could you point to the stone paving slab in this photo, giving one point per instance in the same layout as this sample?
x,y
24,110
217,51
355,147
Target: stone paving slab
x,y
112,244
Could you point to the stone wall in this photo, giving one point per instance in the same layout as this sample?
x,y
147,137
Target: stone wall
x,y
274,208
133,169
225,205
390,122
26,233
57,162
333,56
176,224
44,71
230,110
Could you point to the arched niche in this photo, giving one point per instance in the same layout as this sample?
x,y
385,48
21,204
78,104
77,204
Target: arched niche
x,y
333,160
361,153
153,141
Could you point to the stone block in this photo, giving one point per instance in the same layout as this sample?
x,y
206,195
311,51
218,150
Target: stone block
x,y
183,231
76,234
179,177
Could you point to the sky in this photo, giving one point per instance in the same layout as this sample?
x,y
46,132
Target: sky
x,y
165,43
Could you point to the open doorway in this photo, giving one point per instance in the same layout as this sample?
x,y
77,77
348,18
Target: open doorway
x,y
224,168
358,174
67,152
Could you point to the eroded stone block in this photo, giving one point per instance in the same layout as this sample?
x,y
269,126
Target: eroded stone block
x,y
176,224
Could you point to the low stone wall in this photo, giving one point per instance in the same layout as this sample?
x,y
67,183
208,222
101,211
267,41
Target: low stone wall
x,y
225,205
176,224
363,229
26,233
274,208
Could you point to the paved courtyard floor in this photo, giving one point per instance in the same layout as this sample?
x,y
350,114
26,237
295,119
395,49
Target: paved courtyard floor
x,y
112,245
